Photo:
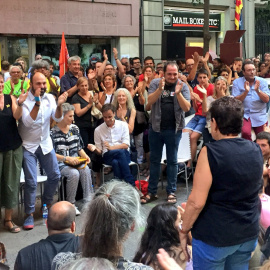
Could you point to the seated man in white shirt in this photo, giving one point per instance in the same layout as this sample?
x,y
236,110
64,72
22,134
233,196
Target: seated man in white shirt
x,y
112,142
34,128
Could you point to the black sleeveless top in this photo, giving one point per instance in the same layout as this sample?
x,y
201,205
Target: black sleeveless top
x,y
231,213
9,135
127,116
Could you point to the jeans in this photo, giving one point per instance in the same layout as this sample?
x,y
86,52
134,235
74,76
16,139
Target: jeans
x,y
206,257
119,160
156,141
49,163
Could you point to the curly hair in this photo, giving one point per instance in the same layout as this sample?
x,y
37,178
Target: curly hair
x,y
128,76
130,103
228,113
159,233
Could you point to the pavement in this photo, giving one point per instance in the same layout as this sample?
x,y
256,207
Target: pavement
x,y
15,242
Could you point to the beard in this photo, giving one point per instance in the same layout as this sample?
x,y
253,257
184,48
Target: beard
x,y
42,91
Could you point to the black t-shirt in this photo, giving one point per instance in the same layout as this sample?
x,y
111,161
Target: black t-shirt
x,y
194,82
167,107
84,121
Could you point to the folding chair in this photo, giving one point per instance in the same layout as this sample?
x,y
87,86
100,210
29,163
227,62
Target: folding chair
x,y
183,155
130,164
40,181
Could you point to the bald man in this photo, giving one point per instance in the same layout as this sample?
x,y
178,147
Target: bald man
x,y
34,129
61,228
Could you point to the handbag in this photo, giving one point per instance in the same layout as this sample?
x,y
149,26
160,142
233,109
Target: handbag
x,y
96,112
140,116
78,166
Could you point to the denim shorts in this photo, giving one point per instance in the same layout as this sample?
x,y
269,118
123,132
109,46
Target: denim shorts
x,y
197,124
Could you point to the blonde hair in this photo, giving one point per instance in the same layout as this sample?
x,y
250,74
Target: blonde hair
x,y
221,78
81,80
130,103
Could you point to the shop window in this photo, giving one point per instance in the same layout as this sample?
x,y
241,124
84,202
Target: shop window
x,y
83,47
17,47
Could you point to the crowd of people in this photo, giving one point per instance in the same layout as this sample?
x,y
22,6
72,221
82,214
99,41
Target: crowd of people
x,y
69,127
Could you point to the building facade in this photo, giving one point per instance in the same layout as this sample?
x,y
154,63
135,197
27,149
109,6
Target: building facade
x,y
90,26
168,24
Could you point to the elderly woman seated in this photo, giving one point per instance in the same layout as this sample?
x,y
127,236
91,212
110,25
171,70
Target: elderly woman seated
x,y
68,146
110,217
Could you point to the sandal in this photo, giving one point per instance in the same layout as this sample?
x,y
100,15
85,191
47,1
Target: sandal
x,y
14,228
148,198
171,198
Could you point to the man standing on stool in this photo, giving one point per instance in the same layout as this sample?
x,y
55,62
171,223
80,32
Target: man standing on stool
x,y
34,128
169,98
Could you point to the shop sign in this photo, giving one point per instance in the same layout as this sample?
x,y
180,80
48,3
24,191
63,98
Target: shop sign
x,y
188,21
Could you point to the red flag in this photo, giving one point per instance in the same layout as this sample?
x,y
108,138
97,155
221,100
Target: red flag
x,y
63,58
238,11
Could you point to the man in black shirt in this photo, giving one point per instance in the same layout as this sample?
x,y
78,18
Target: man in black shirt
x,y
169,98
61,228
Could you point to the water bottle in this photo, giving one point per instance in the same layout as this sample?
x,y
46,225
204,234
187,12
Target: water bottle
x,y
44,214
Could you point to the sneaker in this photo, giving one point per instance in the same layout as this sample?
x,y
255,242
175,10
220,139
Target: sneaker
x,y
28,223
77,211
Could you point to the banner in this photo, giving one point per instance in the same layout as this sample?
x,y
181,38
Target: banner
x,y
189,21
238,14
63,58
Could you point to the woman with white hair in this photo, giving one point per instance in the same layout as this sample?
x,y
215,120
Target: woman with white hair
x,y
125,107
68,146
15,85
111,216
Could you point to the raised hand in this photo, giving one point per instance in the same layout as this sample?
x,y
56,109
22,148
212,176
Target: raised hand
x,y
62,99
195,97
257,85
178,87
161,84
121,112
206,57
22,97
246,86
105,55
196,57
12,87
146,78
103,87
115,53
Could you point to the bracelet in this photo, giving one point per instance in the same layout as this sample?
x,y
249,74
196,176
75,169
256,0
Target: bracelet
x,y
38,105
64,159
37,99
97,103
116,59
20,105
235,71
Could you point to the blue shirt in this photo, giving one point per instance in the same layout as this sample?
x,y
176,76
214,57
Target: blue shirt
x,y
254,107
67,81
